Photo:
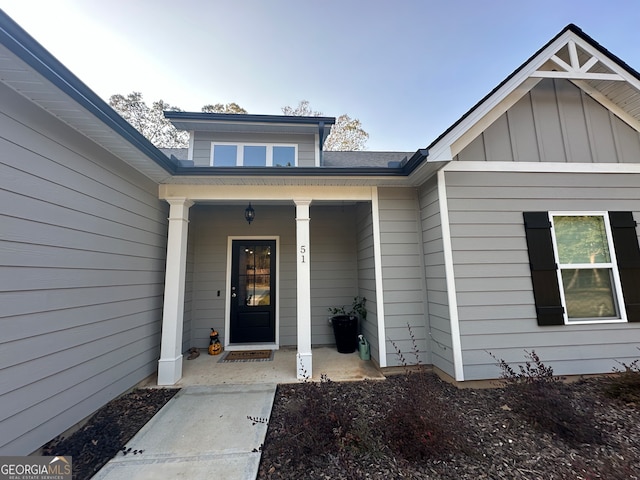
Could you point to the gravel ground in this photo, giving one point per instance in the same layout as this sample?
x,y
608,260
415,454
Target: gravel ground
x,y
487,438
109,430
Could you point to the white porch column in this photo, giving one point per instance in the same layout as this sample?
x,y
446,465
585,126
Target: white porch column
x,y
170,363
303,287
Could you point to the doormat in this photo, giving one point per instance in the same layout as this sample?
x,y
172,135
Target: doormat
x,y
248,356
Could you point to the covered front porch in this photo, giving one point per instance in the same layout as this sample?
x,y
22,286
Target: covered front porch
x,y
326,249
338,367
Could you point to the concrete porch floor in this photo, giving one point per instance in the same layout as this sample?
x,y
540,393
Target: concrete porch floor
x,y
208,370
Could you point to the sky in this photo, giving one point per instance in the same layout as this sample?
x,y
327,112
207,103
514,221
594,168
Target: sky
x,y
407,69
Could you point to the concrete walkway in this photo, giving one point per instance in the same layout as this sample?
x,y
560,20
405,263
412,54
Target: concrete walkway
x,y
201,433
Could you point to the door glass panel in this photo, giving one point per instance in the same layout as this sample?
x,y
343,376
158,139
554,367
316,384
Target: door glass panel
x,y
255,275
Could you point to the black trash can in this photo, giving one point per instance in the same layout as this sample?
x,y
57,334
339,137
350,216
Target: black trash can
x,y
345,328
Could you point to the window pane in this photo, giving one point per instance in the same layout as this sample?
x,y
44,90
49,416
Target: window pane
x,y
589,293
224,155
255,156
581,239
284,156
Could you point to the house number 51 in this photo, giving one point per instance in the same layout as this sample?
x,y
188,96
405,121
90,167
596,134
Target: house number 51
x,y
303,250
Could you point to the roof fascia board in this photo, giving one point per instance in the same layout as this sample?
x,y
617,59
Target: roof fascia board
x,y
27,49
491,116
247,118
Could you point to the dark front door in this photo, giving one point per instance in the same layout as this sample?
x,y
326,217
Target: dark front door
x,y
253,281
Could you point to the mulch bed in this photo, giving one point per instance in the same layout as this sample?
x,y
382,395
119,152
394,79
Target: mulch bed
x,y
342,431
108,430
490,440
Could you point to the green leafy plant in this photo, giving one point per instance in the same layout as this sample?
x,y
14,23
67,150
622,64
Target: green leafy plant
x,y
358,308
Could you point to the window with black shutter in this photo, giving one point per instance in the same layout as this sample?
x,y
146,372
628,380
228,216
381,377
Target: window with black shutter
x,y
585,267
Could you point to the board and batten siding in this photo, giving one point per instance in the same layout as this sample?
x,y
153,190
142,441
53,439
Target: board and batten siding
x,y
402,274
202,145
439,321
494,291
333,265
367,276
82,264
556,122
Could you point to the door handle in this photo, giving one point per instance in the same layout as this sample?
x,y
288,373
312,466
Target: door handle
x,y
233,292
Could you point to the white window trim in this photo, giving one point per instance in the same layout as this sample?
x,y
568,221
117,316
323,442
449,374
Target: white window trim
x,y
240,151
613,265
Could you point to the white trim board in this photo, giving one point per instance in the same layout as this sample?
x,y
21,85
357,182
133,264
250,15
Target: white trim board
x,y
377,254
456,343
227,298
542,167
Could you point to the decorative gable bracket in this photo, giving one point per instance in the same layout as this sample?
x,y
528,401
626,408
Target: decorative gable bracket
x,y
576,65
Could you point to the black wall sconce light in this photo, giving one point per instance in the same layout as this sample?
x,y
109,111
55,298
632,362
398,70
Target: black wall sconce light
x,y
249,214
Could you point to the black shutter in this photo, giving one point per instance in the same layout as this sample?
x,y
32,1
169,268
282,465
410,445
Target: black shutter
x,y
625,241
546,290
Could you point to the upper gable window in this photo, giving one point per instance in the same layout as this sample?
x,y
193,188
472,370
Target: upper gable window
x,y
253,155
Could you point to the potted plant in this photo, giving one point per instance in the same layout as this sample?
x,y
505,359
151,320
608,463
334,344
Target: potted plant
x,y
345,324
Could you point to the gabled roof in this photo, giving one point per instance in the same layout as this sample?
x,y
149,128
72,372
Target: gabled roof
x,y
571,55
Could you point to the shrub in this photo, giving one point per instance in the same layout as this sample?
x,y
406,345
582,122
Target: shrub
x,y
421,425
545,401
625,384
321,422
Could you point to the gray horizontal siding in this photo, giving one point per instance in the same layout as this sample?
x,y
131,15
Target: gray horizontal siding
x,y
202,145
82,252
439,323
556,122
495,300
334,266
402,275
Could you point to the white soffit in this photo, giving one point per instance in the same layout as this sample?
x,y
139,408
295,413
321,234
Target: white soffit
x,y
32,85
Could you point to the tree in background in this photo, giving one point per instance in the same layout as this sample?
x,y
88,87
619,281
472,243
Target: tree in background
x,y
302,110
222,108
346,135
150,121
